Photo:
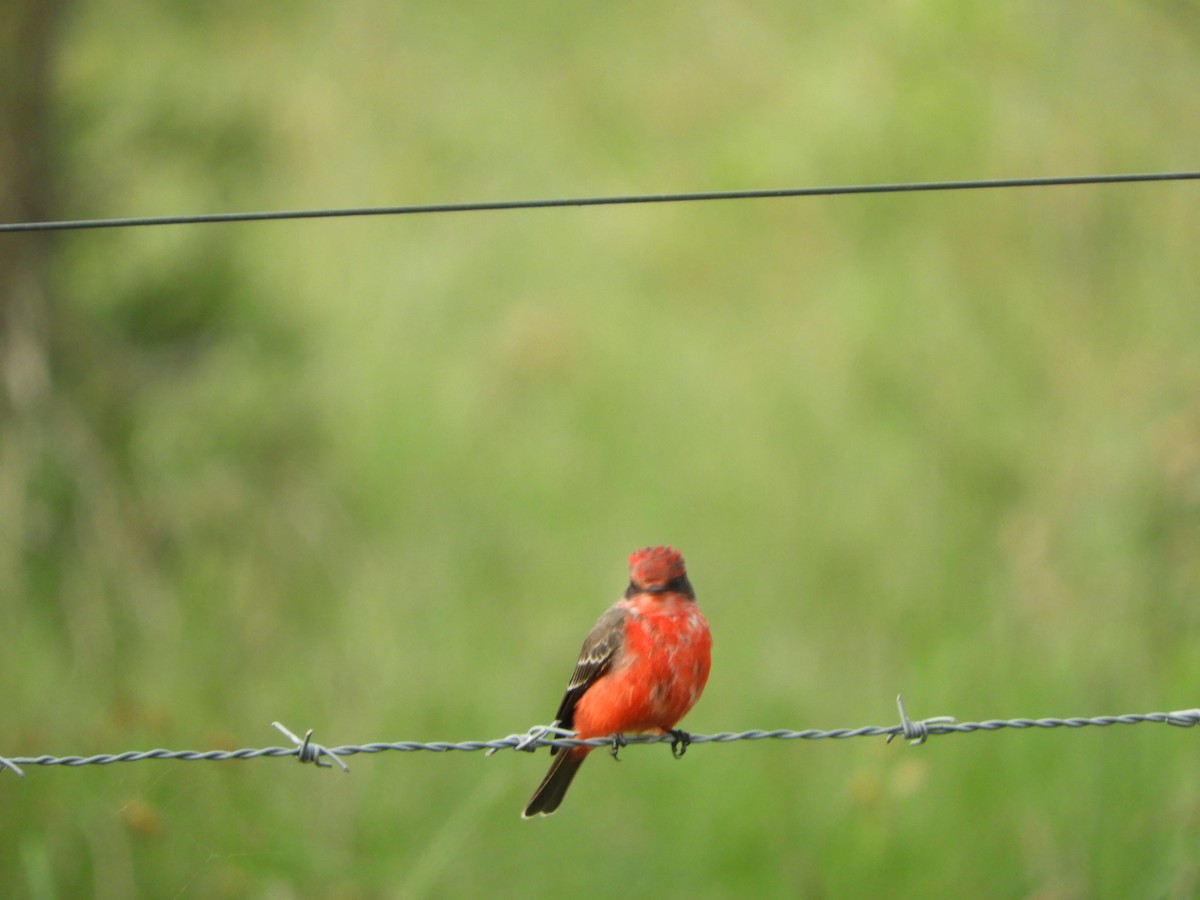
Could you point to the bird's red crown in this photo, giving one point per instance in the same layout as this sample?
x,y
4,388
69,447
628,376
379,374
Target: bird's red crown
x,y
655,566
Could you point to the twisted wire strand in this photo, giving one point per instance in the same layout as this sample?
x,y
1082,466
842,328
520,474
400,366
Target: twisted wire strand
x,y
306,750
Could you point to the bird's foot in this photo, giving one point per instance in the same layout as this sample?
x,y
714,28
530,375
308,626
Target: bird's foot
x,y
679,742
618,741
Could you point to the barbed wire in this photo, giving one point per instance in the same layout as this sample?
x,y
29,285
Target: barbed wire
x,y
306,750
620,200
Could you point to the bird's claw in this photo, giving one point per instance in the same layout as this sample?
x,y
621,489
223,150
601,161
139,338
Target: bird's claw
x,y
618,741
679,742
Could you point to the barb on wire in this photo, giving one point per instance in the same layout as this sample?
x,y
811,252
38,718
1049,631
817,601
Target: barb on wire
x,y
916,733
622,200
306,750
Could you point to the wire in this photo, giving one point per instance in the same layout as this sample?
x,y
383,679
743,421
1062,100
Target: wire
x,y
621,200
915,732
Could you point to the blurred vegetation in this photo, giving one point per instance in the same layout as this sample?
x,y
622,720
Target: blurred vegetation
x,y
379,476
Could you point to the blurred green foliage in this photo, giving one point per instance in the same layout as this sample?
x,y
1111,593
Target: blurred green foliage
x,y
379,476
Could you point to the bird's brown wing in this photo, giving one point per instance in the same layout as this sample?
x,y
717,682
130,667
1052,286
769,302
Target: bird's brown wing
x,y
595,658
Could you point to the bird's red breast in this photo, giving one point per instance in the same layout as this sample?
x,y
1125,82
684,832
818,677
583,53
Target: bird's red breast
x,y
658,673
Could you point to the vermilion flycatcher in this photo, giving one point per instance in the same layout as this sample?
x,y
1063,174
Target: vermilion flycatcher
x,y
642,667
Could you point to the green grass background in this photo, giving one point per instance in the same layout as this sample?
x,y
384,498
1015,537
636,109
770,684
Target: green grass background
x,y
378,476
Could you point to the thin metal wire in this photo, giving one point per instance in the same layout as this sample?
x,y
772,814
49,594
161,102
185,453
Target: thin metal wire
x,y
619,200
915,732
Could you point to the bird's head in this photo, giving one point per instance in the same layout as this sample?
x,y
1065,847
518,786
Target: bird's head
x,y
658,570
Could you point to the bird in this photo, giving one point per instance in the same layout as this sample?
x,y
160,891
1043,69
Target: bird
x,y
642,667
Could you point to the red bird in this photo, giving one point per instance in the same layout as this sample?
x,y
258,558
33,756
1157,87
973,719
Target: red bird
x,y
642,667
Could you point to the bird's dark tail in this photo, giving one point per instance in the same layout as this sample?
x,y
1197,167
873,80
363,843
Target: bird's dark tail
x,y
550,792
